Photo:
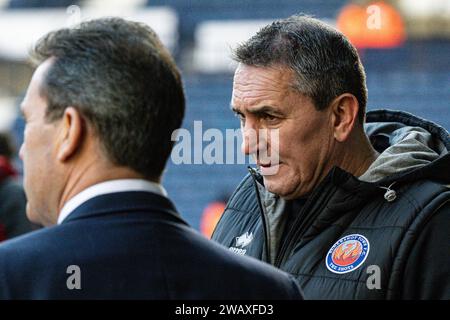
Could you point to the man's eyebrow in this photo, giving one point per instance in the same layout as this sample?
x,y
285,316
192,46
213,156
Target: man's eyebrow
x,y
266,110
259,110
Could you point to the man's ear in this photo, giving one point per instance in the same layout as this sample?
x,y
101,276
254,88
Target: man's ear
x,y
71,133
344,111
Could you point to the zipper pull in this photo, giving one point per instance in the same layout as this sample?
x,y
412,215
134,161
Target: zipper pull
x,y
390,194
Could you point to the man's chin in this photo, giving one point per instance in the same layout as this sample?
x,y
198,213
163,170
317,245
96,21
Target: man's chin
x,y
274,185
35,218
278,186
32,217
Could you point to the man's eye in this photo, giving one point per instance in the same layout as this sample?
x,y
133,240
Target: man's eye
x,y
269,117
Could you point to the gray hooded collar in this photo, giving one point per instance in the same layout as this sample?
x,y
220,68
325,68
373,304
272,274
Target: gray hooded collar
x,y
407,144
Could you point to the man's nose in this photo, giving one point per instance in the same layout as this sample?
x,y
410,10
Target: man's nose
x,y
252,142
249,143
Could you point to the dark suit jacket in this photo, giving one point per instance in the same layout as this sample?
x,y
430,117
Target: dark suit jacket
x,y
131,245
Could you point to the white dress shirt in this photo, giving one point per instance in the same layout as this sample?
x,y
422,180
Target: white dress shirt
x,y
112,186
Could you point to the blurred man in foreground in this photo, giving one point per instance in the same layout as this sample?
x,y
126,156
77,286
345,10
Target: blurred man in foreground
x,y
13,221
359,205
100,111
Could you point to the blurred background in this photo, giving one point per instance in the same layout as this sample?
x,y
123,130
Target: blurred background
x,y
404,46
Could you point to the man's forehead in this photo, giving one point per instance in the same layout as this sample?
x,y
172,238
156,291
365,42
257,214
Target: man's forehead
x,y
41,71
270,78
253,86
33,92
248,74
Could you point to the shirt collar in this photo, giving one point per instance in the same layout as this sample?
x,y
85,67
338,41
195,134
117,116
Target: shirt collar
x,y
112,186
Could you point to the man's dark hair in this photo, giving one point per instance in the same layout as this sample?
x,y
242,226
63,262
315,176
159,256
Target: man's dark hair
x,y
324,62
123,82
6,147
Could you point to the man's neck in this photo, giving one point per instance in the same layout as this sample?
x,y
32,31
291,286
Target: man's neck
x,y
91,174
357,156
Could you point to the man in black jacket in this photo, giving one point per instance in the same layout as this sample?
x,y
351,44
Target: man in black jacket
x,y
100,111
357,207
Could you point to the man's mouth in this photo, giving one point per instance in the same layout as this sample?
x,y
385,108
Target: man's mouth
x,y
268,169
267,164
264,165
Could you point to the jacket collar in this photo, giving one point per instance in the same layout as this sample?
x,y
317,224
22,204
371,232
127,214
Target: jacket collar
x,y
375,117
123,202
415,148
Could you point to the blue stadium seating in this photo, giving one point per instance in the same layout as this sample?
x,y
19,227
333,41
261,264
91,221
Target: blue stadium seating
x,y
33,4
192,12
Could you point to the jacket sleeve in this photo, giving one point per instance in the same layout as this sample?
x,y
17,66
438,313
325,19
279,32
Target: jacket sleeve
x,y
427,271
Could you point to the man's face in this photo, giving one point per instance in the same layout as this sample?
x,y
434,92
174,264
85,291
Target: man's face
x,y
265,98
38,153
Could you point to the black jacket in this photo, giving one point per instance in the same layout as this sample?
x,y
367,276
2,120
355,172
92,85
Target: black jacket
x,y
131,245
384,235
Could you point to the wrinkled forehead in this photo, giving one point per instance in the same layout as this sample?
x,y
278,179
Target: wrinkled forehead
x,y
251,84
270,75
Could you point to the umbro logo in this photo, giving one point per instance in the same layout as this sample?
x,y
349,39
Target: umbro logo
x,y
242,241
